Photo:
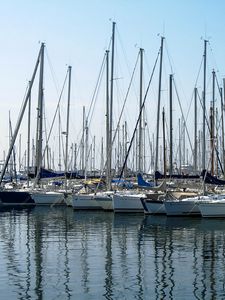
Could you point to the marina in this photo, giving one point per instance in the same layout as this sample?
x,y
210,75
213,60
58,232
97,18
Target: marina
x,y
112,150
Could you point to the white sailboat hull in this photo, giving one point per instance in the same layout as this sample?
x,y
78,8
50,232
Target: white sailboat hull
x,y
128,203
104,200
212,209
181,208
99,201
48,198
85,202
186,206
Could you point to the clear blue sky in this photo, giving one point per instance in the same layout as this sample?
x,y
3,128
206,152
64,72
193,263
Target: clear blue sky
x,y
78,33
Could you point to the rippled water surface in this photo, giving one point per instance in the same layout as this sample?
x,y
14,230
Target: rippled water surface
x,y
56,253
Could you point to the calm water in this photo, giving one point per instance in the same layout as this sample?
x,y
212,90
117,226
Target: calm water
x,y
55,253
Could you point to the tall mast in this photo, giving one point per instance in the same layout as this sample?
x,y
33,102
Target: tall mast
x,y
102,156
108,166
111,108
140,156
28,138
195,130
60,165
213,122
86,148
179,146
83,147
164,143
204,107
67,119
39,138
94,150
171,124
75,157
125,147
158,109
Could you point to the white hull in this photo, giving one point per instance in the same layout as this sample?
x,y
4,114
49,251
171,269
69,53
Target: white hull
x,y
212,209
128,203
85,202
185,207
48,198
181,208
99,201
104,200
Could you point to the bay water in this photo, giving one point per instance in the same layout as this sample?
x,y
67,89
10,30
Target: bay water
x,y
57,253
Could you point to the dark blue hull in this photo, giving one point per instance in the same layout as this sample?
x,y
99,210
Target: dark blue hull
x,y
15,199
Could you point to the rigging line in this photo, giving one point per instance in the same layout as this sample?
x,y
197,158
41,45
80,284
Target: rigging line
x,y
215,63
199,70
123,51
52,71
189,108
57,108
126,97
183,116
140,113
96,88
220,92
167,51
95,93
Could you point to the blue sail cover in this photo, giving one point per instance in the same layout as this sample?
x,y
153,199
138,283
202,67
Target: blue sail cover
x,y
142,182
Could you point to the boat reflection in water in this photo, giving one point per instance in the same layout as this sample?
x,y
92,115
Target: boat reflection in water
x,y
56,253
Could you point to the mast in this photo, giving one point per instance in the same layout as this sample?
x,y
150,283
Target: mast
x,y
171,124
75,157
179,146
67,119
109,156
60,164
125,147
195,130
158,110
20,116
39,138
108,166
83,148
204,107
213,122
28,139
102,156
86,148
164,142
140,157
94,150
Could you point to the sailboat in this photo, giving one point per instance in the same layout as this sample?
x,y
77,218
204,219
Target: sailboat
x,y
132,202
102,200
18,197
41,196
